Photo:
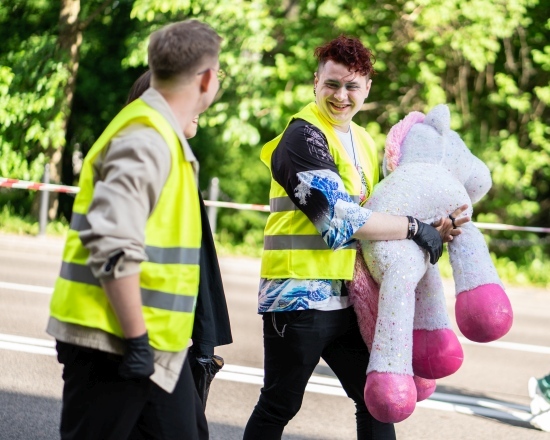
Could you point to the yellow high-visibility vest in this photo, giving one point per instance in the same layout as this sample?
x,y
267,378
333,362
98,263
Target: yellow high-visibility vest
x,y
293,248
169,280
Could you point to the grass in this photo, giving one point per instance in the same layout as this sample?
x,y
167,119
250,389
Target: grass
x,y
12,224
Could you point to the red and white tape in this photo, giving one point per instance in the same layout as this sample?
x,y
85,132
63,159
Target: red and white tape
x,y
37,186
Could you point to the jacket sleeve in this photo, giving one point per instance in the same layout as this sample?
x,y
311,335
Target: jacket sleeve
x,y
128,181
303,165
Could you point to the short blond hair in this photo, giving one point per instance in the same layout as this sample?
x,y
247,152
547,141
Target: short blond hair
x,y
178,49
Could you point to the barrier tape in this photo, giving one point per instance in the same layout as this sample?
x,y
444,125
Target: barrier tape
x,y
37,186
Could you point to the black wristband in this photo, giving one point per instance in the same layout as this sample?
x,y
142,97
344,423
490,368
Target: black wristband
x,y
411,232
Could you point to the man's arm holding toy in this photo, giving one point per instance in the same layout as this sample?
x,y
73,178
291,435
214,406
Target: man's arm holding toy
x,y
381,226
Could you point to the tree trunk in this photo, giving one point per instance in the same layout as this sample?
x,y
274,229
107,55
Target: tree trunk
x,y
70,39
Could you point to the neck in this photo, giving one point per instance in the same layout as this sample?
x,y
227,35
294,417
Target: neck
x,y
179,100
342,128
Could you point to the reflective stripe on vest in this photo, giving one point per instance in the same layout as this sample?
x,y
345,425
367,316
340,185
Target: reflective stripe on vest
x,y
169,278
280,204
150,298
293,248
175,255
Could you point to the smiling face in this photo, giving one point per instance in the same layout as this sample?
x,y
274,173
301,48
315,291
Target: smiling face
x,y
340,93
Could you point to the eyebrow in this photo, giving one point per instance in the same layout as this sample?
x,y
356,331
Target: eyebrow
x,y
335,81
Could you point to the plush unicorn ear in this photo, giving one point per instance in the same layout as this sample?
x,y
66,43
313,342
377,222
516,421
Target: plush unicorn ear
x,y
439,118
395,139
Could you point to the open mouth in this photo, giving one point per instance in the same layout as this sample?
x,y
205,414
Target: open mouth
x,y
339,107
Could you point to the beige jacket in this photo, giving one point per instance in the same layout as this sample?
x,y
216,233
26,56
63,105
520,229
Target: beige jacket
x,y
129,178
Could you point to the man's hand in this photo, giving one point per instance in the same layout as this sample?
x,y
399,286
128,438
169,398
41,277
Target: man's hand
x,y
428,238
449,227
138,359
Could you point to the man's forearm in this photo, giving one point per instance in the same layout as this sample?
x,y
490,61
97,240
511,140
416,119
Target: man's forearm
x,y
125,297
382,226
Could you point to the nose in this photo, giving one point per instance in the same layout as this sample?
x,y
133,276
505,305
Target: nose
x,y
340,94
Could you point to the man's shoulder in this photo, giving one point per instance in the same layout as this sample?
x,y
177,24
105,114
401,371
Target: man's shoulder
x,y
300,131
138,142
139,136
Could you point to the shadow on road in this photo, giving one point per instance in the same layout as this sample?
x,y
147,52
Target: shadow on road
x,y
220,431
25,417
481,405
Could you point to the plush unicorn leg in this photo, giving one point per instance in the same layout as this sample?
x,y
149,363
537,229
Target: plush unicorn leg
x,y
483,311
437,352
397,266
363,294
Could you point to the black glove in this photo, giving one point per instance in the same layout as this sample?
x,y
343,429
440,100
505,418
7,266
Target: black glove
x,y
138,359
429,239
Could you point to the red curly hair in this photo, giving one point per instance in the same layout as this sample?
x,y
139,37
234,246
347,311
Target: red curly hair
x,y
347,51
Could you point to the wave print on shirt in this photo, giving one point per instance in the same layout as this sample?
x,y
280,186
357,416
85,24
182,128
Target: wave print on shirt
x,y
292,295
344,216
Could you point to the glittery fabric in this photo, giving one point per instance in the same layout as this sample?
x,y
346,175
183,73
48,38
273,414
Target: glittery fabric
x,y
430,311
471,261
435,174
397,267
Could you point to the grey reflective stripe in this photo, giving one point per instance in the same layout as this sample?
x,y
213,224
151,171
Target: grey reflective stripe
x,y
78,273
175,255
301,242
167,301
281,204
79,222
151,298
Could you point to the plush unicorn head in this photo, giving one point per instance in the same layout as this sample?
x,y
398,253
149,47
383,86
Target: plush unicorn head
x,y
429,173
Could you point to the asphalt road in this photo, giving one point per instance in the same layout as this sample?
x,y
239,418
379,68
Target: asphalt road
x,y
486,398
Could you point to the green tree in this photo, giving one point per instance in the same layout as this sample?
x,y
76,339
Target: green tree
x,y
489,60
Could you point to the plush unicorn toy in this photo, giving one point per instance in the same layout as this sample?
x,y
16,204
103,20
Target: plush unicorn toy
x,y
429,172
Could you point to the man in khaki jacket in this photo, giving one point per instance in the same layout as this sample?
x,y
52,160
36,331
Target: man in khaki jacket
x,y
120,387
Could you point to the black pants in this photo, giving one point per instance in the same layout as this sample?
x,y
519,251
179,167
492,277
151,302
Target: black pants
x,y
293,344
99,405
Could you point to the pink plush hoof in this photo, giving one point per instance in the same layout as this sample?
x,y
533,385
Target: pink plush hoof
x,y
436,353
424,388
390,398
484,314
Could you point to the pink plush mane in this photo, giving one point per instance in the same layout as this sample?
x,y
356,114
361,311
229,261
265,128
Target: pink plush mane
x,y
396,136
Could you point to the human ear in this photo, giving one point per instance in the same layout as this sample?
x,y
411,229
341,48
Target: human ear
x,y
369,83
205,80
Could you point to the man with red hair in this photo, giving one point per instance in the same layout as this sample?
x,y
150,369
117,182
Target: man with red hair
x,y
323,169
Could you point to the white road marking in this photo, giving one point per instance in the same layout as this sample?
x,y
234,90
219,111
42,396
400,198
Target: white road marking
x,y
26,288
509,346
496,344
317,384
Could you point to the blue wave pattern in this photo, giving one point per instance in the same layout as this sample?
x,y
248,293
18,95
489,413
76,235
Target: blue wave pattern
x,y
336,227
291,294
344,216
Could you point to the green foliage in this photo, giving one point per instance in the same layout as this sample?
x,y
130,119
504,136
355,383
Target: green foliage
x,y
32,77
11,223
489,60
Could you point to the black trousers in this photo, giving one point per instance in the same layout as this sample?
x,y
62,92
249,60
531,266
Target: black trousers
x,y
99,405
294,342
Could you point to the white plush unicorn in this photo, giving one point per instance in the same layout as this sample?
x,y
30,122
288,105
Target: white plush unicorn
x,y
429,173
